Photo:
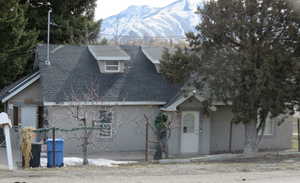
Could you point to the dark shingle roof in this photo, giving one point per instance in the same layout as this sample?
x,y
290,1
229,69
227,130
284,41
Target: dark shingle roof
x,y
74,73
154,54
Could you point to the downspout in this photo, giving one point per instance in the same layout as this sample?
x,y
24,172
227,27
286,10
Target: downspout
x,y
5,107
230,137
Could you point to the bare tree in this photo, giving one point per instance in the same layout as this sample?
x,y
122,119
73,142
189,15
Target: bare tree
x,y
119,27
89,119
159,134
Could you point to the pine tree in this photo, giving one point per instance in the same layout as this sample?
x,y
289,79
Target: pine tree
x,y
175,66
16,44
246,57
72,20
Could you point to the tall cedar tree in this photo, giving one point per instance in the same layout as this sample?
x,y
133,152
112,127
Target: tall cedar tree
x,y
246,57
72,20
16,44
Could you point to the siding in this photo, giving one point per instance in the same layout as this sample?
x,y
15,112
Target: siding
x,y
128,128
30,95
220,130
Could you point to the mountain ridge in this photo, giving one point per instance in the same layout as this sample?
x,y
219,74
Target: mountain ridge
x,y
170,21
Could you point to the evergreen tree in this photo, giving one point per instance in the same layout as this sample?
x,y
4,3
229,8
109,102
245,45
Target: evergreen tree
x,y
16,44
246,57
176,66
72,20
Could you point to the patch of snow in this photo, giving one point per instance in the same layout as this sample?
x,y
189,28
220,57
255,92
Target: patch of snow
x,y
75,161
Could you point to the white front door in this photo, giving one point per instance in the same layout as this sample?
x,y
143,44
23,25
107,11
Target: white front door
x,y
190,132
29,116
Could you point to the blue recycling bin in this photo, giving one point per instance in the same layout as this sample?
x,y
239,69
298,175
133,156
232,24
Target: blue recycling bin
x,y
59,152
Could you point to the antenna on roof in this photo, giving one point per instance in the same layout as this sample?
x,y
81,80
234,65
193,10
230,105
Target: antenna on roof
x,y
48,38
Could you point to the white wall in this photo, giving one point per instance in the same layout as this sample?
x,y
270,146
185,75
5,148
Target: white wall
x,y
128,128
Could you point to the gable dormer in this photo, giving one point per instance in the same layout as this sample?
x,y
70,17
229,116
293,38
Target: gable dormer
x,y
154,54
110,59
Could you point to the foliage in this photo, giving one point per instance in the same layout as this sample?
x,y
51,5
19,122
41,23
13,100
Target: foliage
x,y
162,126
72,20
104,41
161,121
72,23
246,56
176,66
16,44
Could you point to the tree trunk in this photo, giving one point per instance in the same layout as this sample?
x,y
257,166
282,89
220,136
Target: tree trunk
x,y
250,137
85,147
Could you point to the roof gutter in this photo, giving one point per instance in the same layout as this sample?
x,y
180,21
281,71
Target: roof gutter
x,y
116,103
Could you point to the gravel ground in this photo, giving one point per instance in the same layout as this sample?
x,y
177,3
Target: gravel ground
x,y
274,169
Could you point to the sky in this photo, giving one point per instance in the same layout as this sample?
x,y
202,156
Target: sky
x,y
106,8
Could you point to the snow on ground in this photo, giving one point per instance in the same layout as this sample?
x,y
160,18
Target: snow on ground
x,y
75,161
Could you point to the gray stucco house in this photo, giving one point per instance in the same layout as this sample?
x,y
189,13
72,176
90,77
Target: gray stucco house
x,y
123,84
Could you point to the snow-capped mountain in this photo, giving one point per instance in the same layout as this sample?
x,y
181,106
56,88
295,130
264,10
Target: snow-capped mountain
x,y
171,21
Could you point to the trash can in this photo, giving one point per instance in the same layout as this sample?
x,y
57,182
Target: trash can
x,y
59,153
35,160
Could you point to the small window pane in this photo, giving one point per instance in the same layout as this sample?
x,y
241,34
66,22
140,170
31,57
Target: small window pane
x,y
112,63
105,124
189,123
112,66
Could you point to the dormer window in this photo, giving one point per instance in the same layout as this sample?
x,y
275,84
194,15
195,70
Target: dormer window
x,y
110,59
112,66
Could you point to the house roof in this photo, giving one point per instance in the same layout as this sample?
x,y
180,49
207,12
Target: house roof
x,y
108,53
18,86
74,76
179,99
154,54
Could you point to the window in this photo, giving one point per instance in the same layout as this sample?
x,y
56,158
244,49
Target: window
x,y
268,127
188,123
112,66
105,124
16,118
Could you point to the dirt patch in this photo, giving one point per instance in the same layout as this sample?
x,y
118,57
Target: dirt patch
x,y
258,169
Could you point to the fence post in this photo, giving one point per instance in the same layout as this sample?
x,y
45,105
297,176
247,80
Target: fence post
x,y
53,147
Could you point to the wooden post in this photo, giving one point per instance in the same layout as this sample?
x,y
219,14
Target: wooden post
x,y
8,147
5,122
53,148
298,122
147,141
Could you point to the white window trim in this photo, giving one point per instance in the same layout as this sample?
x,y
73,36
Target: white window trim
x,y
112,71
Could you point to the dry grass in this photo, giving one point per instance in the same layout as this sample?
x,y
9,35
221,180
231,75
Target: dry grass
x,y
27,137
